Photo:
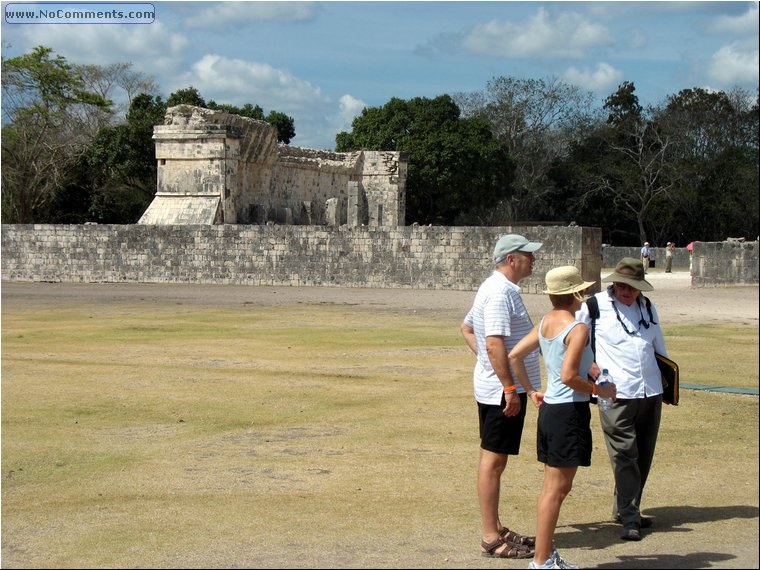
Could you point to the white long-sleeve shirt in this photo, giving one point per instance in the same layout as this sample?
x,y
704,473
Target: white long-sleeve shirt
x,y
629,358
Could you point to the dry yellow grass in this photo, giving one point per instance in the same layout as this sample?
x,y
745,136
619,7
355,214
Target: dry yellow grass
x,y
173,435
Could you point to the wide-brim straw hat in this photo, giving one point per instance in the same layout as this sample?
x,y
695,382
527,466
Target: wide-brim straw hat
x,y
630,271
565,280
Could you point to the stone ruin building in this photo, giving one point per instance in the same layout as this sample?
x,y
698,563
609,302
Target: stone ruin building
x,y
218,168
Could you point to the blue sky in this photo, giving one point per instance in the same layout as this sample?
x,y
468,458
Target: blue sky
x,y
322,62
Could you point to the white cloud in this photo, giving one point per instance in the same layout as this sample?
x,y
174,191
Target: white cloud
x,y
348,109
236,81
736,63
564,36
223,15
601,79
318,128
153,47
746,24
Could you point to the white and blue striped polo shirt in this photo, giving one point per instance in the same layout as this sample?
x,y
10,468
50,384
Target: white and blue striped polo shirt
x,y
498,310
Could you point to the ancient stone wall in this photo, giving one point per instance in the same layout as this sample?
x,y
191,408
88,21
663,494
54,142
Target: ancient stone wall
x,y
416,257
724,263
218,168
406,257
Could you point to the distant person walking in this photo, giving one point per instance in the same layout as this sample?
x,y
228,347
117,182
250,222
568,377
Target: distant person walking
x,y
669,249
646,252
497,321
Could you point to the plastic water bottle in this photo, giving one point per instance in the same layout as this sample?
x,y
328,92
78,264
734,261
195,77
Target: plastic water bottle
x,y
604,403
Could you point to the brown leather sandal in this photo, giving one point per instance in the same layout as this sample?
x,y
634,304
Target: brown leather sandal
x,y
513,537
511,550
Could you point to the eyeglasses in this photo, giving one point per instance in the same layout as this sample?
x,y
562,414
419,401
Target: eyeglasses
x,y
642,321
624,286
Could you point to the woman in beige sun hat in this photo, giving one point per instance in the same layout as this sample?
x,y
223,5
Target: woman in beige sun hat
x,y
564,414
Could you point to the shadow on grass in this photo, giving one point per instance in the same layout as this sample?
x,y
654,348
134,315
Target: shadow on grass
x,y
694,560
675,519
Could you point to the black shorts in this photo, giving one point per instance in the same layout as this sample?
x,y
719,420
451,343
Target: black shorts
x,y
564,434
499,433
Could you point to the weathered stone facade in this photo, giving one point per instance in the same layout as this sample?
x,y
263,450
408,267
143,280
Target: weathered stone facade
x,y
403,257
717,264
416,257
218,168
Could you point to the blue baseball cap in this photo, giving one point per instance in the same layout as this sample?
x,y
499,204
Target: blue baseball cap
x,y
511,243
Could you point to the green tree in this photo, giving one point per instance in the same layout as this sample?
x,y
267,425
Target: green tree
x,y
247,110
715,151
252,112
537,120
187,96
684,170
623,106
284,124
576,178
634,168
457,170
117,82
121,164
45,101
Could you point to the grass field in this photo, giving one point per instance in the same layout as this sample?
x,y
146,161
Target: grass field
x,y
322,436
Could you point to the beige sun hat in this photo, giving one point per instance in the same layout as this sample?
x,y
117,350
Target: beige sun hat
x,y
630,271
565,280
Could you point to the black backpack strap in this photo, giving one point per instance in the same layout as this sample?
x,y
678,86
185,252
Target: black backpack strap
x,y
593,312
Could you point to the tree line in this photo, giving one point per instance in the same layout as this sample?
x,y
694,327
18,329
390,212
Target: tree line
x,y
538,151
71,156
519,151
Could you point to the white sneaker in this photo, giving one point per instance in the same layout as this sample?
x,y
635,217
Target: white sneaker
x,y
561,563
550,563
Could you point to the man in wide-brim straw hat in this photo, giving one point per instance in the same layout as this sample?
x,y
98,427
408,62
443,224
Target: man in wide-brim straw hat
x,y
629,271
627,334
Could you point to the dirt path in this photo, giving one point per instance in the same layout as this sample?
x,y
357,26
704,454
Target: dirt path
x,y
675,299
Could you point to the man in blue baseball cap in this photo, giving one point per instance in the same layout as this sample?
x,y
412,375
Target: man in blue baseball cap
x,y
496,322
512,243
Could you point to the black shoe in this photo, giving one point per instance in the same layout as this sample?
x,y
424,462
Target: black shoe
x,y
646,522
631,533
